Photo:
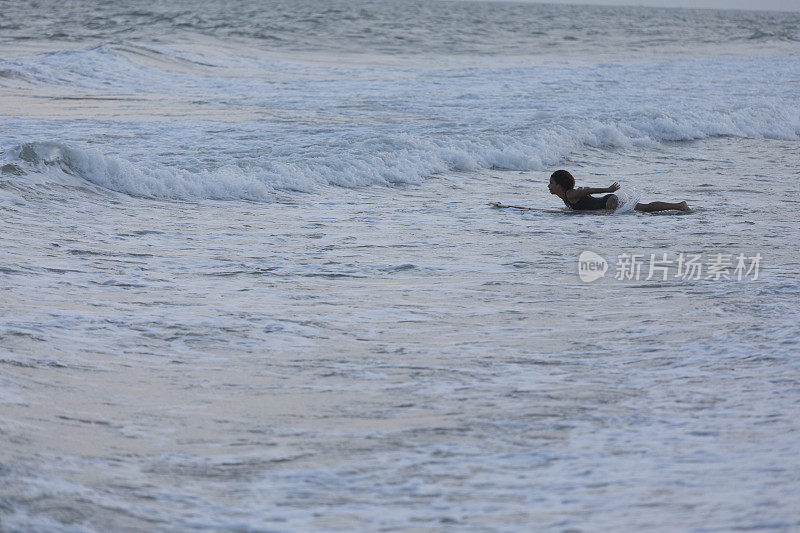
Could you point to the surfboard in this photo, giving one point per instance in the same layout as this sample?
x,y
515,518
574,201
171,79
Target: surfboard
x,y
505,206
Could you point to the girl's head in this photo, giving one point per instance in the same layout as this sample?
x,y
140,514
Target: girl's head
x,y
561,178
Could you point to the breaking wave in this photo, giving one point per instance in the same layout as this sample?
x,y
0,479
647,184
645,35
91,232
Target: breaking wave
x,y
388,159
231,125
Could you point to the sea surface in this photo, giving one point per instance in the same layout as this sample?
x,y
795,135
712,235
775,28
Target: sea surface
x,y
250,279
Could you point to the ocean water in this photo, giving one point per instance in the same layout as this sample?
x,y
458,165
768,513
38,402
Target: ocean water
x,y
250,279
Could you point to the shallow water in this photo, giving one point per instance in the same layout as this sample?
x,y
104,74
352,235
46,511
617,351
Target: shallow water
x,y
295,310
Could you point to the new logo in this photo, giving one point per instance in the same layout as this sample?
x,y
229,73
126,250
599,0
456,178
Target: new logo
x,y
591,266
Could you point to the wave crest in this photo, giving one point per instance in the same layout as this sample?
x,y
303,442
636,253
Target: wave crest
x,y
365,159
60,161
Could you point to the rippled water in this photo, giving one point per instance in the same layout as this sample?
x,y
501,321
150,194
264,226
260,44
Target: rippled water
x,y
249,279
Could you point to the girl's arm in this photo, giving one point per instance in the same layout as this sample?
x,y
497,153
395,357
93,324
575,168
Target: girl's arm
x,y
577,194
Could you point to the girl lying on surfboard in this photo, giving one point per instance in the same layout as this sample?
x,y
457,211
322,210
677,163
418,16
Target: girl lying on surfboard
x,y
562,184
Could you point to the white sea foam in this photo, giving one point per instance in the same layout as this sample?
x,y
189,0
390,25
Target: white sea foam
x,y
302,125
62,162
400,158
627,200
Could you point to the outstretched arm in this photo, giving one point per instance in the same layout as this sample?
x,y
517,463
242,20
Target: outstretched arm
x,y
580,192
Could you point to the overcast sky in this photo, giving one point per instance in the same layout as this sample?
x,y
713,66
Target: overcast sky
x,y
776,5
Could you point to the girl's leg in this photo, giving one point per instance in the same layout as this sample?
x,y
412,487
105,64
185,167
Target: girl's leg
x,y
661,206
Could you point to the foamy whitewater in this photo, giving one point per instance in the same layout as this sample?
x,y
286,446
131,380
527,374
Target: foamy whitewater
x,y
250,279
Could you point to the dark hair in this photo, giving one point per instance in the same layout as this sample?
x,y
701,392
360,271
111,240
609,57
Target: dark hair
x,y
563,178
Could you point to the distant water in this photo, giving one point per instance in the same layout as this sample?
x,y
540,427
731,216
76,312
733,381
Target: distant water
x,y
249,279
